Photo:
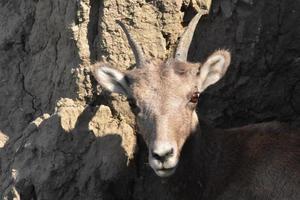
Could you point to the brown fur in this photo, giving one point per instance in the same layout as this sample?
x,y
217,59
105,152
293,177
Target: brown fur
x,y
155,87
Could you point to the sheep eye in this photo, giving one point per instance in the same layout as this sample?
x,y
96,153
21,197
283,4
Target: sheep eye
x,y
134,108
194,97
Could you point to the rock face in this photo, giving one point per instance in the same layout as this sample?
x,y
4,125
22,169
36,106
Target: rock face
x,y
62,137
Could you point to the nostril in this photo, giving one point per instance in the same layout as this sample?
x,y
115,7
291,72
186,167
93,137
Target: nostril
x,y
156,156
162,156
170,153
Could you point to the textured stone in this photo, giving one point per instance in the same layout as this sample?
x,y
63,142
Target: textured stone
x,y
3,139
62,137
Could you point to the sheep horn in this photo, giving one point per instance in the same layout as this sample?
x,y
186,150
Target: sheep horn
x,y
186,38
136,48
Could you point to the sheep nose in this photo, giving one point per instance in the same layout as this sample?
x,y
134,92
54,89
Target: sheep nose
x,y
162,155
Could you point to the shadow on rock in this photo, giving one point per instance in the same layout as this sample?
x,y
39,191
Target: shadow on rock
x,y
51,163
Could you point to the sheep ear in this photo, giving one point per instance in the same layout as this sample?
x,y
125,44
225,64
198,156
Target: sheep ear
x,y
111,79
213,69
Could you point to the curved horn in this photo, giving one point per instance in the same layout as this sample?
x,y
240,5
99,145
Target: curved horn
x,y
136,48
186,38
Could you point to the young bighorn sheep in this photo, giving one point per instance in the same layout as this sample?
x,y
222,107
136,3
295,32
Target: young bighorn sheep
x,y
260,161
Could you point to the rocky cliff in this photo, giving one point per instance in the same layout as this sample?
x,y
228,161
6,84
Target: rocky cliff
x,y
62,137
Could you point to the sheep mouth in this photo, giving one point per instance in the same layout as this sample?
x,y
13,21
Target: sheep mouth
x,y
165,172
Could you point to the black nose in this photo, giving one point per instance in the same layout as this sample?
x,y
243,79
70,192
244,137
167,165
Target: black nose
x,y
162,156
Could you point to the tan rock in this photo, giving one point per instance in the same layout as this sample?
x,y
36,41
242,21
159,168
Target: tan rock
x,y
3,139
